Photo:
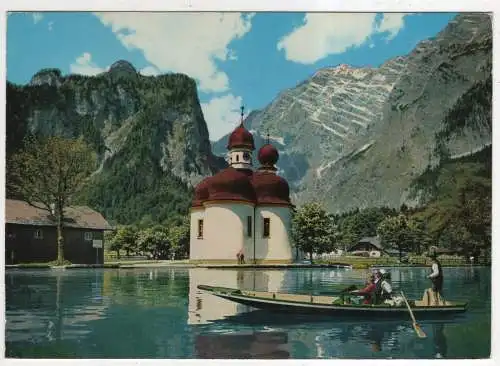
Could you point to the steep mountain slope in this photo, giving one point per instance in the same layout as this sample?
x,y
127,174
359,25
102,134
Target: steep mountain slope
x,y
149,134
410,137
366,133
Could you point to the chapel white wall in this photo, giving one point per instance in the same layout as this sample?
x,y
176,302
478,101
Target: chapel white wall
x,y
278,245
226,231
196,244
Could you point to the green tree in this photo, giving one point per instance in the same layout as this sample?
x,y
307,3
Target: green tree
x,y
153,241
179,239
358,224
48,172
112,243
125,238
313,229
418,235
460,215
394,232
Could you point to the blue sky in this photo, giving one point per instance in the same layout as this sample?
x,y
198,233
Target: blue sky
x,y
235,57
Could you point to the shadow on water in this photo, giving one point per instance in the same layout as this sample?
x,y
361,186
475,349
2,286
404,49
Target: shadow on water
x,y
249,345
382,337
283,318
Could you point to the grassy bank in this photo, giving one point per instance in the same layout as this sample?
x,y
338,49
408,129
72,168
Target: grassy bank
x,y
53,266
355,262
413,261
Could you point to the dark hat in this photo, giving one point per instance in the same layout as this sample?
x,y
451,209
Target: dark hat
x,y
432,252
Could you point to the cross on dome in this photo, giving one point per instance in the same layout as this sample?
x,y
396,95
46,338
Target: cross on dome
x,y
242,114
268,155
241,137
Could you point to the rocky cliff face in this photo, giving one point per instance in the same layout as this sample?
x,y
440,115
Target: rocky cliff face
x,y
363,135
106,108
135,123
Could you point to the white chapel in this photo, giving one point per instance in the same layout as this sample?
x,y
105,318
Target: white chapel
x,y
241,209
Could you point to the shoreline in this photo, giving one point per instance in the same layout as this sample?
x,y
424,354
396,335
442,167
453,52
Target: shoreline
x,y
184,264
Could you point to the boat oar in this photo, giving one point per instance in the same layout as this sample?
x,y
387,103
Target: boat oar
x,y
339,291
349,289
420,332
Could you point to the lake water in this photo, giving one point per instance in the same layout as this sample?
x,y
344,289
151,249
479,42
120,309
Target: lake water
x,y
159,313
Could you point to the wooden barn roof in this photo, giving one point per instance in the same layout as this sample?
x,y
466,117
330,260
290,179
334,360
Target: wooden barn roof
x,y
21,213
373,240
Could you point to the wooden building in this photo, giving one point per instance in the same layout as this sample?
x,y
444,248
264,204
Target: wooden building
x,y
370,246
31,234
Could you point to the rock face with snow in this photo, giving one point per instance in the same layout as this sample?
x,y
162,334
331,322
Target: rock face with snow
x,y
359,137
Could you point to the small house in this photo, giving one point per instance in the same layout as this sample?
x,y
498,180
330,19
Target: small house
x,y
368,245
31,234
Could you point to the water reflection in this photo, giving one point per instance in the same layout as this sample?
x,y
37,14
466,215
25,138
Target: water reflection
x,y
340,337
150,288
332,337
204,307
45,310
260,345
160,313
440,344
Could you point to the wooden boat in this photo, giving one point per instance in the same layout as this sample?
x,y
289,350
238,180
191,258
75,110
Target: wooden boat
x,y
331,305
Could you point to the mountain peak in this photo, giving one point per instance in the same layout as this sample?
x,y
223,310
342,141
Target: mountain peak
x,y
49,76
344,70
122,66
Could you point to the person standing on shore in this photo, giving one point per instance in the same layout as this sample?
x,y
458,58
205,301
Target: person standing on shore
x,y
241,257
436,276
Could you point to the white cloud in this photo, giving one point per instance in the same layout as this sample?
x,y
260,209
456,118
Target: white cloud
x,y
323,34
84,66
182,42
149,71
37,17
222,115
392,23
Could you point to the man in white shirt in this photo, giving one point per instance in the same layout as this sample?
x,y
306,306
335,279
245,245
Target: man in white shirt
x,y
436,276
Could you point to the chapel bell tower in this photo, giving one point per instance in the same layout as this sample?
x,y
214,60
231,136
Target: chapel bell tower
x,y
240,147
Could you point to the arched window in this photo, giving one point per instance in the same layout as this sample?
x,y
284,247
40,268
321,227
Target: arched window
x,y
237,158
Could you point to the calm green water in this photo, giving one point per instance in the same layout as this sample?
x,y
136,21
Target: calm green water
x,y
159,313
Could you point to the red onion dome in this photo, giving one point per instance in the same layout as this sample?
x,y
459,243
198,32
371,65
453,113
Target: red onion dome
x,y
201,192
232,185
268,155
271,188
241,137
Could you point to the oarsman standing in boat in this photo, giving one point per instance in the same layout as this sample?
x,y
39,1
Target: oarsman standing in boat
x,y
436,276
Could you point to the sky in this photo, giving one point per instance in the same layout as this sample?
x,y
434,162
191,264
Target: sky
x,y
236,58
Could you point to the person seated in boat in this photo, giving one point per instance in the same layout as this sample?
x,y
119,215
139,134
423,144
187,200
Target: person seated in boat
x,y
367,291
383,287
